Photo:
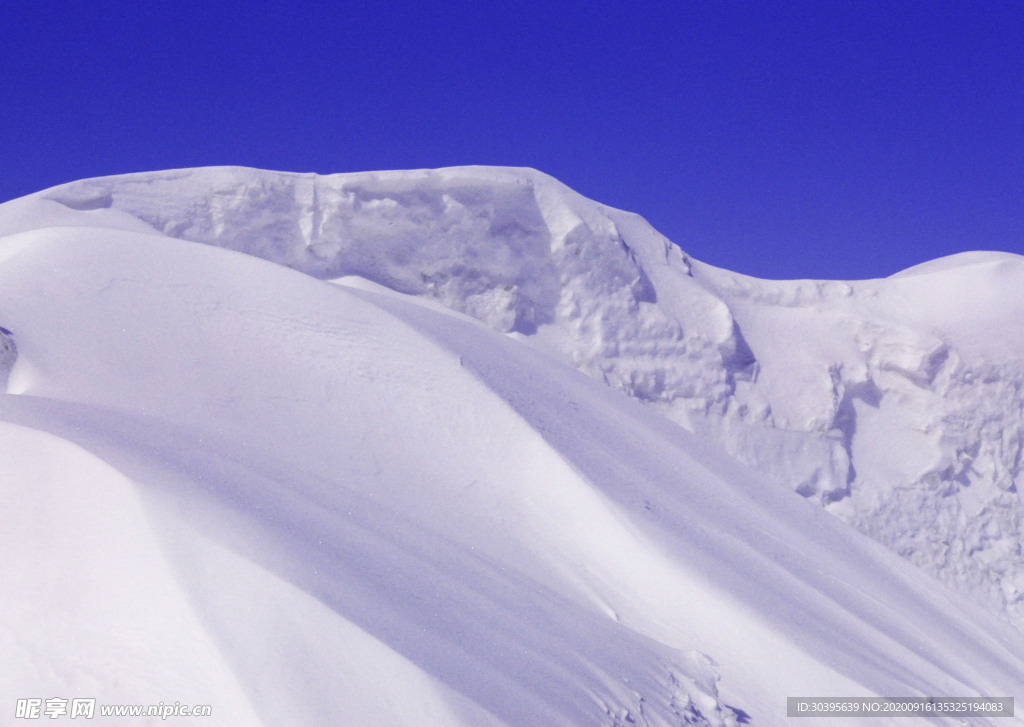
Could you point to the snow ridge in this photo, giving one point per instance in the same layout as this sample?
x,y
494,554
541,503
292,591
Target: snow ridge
x,y
799,379
378,462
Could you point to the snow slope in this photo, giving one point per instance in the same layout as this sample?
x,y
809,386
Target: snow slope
x,y
339,494
895,403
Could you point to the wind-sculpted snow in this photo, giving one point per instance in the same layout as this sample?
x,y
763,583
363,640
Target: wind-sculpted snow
x,y
512,248
895,403
360,530
342,503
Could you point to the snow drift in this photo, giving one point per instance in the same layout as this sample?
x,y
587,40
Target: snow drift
x,y
375,488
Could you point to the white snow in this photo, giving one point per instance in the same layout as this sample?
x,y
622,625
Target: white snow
x,y
376,489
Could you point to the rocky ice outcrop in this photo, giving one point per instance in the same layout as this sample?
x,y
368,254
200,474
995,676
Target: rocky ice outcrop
x,y
897,404
8,355
913,385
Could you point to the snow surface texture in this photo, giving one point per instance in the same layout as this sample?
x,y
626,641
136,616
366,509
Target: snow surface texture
x,y
898,404
328,496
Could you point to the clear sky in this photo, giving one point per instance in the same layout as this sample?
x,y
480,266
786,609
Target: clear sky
x,y
781,139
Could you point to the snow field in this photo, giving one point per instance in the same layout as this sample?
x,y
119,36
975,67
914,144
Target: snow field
x,y
345,500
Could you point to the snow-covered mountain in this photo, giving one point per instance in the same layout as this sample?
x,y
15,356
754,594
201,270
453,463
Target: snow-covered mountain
x,y
355,476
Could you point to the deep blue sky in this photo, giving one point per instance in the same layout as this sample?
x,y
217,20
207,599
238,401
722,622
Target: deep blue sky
x,y
780,139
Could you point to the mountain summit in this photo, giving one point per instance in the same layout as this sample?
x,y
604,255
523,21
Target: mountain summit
x,y
462,447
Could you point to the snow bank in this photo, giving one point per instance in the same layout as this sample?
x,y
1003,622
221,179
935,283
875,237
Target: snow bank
x,y
362,529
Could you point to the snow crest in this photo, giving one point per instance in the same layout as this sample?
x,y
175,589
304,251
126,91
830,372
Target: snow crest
x,y
897,404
